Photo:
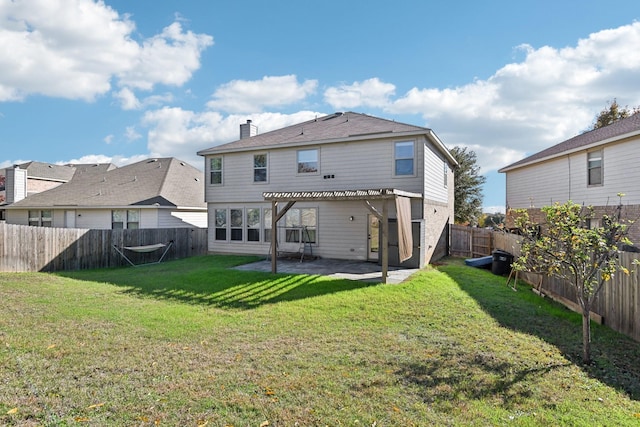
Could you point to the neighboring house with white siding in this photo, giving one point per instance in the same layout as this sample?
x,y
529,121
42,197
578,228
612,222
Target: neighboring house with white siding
x,y
329,182
590,169
153,193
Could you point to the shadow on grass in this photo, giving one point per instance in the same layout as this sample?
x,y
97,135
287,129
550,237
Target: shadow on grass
x,y
211,281
616,357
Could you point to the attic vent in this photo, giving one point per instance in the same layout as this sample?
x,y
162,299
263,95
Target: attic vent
x,y
333,116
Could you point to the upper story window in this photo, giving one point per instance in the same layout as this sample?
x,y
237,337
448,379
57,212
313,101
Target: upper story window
x,y
594,168
260,168
129,219
308,161
404,158
216,170
41,218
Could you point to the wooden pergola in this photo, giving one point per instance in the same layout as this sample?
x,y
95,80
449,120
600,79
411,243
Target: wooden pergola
x,y
366,196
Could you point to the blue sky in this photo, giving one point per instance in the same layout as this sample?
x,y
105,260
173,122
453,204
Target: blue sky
x,y
118,81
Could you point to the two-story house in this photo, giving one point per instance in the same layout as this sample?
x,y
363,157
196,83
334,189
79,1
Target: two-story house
x,y
25,179
152,193
589,169
332,186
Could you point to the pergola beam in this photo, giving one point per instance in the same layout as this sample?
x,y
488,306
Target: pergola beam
x,y
291,197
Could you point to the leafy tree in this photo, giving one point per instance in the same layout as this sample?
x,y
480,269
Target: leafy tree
x,y
612,114
565,247
468,187
492,220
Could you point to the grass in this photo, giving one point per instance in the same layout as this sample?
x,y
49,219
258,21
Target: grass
x,y
195,343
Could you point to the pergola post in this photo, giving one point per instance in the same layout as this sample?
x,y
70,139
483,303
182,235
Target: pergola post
x,y
385,241
274,236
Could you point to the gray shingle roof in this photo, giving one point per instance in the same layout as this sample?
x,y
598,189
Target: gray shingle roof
x,y
166,181
614,131
333,127
48,171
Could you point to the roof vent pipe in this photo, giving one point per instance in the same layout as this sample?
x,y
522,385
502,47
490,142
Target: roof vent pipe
x,y
247,130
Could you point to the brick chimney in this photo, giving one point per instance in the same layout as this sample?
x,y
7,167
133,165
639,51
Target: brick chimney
x,y
247,130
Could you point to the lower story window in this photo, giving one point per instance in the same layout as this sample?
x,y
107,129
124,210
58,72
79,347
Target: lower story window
x,y
236,224
41,218
243,224
125,219
253,225
301,225
221,224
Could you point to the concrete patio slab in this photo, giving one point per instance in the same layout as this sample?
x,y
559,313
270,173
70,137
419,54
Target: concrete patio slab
x,y
352,270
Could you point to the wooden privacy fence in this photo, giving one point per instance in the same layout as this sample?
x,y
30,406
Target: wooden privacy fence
x,y
26,248
470,242
618,303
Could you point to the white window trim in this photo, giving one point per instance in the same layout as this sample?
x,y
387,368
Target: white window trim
x,y
221,170
601,183
393,156
253,169
318,168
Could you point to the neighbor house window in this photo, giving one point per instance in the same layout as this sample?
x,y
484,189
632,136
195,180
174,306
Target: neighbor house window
x,y
40,218
253,225
125,219
221,224
594,167
260,168
236,222
216,170
403,155
308,161
592,223
301,225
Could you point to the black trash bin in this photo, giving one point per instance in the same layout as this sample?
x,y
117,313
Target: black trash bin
x,y
501,264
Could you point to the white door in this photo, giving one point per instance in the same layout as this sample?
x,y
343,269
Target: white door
x,y
70,219
373,241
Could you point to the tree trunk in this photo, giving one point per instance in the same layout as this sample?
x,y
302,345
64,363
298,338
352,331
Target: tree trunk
x,y
586,334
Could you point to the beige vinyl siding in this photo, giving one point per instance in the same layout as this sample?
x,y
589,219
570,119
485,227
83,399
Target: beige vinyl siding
x,y
352,165
565,179
93,219
178,219
434,188
538,186
621,175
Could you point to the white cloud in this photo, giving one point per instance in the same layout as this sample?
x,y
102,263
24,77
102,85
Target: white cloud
x,y
108,139
252,96
74,49
127,99
552,95
369,93
169,58
181,133
101,158
131,134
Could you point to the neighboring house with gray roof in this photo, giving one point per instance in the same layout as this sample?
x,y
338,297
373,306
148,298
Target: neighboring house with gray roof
x,y
25,179
325,184
153,193
590,169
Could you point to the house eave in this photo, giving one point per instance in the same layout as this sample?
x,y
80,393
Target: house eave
x,y
587,147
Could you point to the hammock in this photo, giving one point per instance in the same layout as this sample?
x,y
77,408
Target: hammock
x,y
144,249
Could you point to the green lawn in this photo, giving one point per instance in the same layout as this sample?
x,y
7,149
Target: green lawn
x,y
194,343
